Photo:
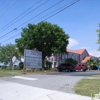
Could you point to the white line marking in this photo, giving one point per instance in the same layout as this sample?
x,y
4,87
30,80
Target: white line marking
x,y
25,78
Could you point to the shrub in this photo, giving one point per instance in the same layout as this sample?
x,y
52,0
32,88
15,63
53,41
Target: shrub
x,y
70,60
21,65
48,65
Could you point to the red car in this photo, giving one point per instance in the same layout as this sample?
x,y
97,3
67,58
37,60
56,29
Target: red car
x,y
81,67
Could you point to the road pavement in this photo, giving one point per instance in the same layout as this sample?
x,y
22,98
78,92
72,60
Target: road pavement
x,y
42,85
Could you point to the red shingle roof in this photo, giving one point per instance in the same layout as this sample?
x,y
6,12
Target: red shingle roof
x,y
86,59
80,51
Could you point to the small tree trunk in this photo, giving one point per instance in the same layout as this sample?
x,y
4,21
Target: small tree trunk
x,y
43,57
42,62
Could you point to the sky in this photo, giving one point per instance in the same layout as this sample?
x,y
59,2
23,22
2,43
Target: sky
x,y
80,20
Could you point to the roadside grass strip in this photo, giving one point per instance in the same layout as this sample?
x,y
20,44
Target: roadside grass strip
x,y
88,85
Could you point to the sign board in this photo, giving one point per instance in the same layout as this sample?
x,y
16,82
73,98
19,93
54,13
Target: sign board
x,y
13,59
33,59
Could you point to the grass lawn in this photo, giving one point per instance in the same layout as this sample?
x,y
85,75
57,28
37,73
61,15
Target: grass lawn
x,y
4,72
7,72
88,86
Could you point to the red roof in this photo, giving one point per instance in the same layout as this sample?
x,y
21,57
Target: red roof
x,y
80,51
86,59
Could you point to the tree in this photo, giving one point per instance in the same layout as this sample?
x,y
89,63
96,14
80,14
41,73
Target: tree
x,y
43,37
70,60
98,62
7,52
91,63
98,42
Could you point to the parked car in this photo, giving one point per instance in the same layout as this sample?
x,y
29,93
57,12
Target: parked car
x,y
97,67
81,67
66,67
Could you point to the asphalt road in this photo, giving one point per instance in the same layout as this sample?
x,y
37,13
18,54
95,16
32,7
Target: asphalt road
x,y
63,81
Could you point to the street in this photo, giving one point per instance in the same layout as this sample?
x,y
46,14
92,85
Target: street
x,y
63,81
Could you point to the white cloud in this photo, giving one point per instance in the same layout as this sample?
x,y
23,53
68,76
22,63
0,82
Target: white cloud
x,y
94,53
72,42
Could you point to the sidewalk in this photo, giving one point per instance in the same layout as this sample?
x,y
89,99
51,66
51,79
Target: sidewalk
x,y
63,96
14,91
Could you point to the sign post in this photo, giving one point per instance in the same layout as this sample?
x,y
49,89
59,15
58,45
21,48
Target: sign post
x,y
13,60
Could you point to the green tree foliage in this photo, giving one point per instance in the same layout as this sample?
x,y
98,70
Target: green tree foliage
x,y
21,65
7,52
98,62
43,37
71,61
91,63
98,42
48,64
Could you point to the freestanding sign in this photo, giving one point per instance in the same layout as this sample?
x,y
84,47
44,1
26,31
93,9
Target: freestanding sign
x,y
33,59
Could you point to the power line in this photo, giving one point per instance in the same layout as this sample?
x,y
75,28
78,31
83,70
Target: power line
x,y
62,10
25,15
21,14
9,7
10,38
52,12
52,15
6,5
3,3
43,16
40,13
9,32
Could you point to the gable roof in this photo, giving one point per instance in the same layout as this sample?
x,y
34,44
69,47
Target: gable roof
x,y
86,59
80,51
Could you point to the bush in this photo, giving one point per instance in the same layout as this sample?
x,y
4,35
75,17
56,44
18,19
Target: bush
x,y
48,65
21,65
71,61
